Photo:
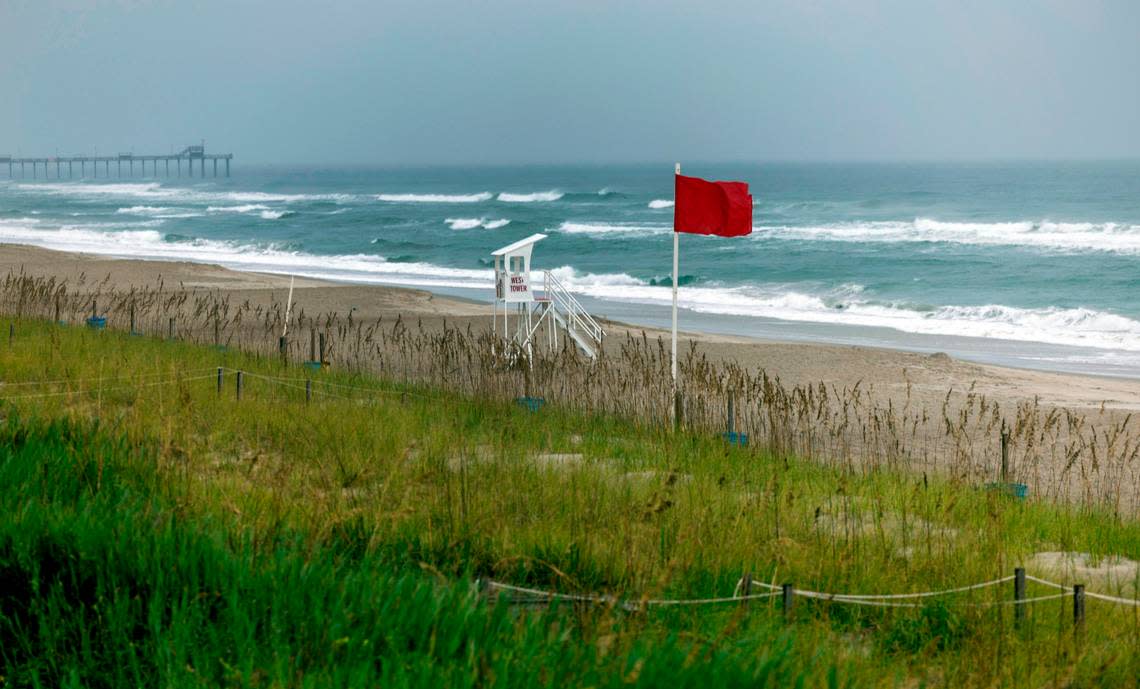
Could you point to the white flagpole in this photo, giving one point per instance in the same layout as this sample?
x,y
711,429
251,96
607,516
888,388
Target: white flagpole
x,y
676,245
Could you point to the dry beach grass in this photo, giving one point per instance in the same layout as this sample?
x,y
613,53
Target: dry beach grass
x,y
1071,437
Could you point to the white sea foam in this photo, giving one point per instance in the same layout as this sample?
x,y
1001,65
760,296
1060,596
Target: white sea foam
x,y
464,223
1049,235
578,281
435,198
81,238
156,191
611,229
848,305
535,197
92,189
150,244
658,204
472,223
1077,327
272,215
247,208
160,212
142,210
358,268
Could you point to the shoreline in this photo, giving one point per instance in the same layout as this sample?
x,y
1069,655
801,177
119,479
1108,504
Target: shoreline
x,y
897,374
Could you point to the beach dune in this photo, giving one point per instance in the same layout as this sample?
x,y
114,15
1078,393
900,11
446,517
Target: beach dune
x,y
926,394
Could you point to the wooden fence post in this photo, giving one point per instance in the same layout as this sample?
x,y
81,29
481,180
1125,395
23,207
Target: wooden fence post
x,y
11,334
239,384
308,391
1018,596
1004,452
133,330
321,361
745,588
678,410
788,593
221,375
170,329
1078,608
312,343
283,349
731,413
94,307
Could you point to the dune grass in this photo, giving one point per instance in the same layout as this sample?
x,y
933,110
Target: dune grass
x,y
156,532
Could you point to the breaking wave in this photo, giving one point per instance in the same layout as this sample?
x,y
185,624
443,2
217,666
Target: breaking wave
x,y
1056,236
658,204
472,223
163,212
845,305
611,229
435,198
156,191
248,208
143,210
535,197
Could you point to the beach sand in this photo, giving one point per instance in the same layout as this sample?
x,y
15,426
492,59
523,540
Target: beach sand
x,y
889,373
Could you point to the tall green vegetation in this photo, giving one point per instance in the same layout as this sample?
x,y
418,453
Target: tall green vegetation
x,y
156,532
106,584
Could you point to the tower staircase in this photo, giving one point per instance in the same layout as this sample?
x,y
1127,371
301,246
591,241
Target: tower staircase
x,y
563,313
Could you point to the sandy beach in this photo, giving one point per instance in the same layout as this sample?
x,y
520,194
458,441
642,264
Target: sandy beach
x,y
889,373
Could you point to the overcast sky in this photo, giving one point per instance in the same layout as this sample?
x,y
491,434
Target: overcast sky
x,y
573,81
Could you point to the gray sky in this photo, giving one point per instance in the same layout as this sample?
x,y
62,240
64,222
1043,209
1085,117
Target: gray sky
x,y
587,81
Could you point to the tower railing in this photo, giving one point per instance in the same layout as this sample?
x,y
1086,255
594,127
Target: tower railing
x,y
577,318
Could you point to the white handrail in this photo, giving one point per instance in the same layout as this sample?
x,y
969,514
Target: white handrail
x,y
577,316
575,312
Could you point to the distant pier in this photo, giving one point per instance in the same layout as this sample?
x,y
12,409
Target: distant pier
x,y
67,166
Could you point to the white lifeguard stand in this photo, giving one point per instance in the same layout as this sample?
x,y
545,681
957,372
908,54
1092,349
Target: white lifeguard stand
x,y
555,308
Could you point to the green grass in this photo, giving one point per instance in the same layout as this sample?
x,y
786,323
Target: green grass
x,y
157,533
105,584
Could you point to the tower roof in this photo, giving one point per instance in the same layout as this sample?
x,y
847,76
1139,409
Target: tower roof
x,y
522,243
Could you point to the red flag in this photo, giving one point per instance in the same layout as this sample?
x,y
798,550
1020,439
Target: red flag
x,y
720,208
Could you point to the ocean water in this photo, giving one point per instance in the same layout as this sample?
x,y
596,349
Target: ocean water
x,y
1029,264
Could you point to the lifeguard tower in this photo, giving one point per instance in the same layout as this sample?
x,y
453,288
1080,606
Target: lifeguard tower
x,y
548,313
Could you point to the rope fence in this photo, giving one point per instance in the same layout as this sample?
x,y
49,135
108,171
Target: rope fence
x,y
787,592
888,600
61,381
1099,596
627,604
306,385
113,388
888,596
